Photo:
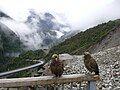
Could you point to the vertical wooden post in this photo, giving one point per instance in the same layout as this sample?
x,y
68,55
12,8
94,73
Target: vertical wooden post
x,y
55,87
37,88
62,86
71,86
80,86
46,87
91,85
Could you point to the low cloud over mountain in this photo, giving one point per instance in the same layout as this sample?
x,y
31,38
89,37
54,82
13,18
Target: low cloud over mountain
x,y
38,31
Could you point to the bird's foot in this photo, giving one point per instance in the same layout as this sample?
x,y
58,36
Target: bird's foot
x,y
95,75
54,76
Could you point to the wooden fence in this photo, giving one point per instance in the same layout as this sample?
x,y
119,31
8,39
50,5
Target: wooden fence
x,y
46,82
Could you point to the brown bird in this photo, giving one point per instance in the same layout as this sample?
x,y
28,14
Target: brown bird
x,y
90,63
56,66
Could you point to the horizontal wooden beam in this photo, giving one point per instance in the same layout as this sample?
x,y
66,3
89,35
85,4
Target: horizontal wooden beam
x,y
46,80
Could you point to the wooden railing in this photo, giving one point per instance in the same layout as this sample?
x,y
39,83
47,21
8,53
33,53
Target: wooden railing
x,y
37,83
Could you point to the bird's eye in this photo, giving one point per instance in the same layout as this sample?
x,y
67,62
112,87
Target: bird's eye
x,y
55,56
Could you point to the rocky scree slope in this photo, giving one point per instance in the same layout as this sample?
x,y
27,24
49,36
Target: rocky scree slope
x,y
109,66
112,39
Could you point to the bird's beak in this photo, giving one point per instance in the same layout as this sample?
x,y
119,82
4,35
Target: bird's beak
x,y
86,53
56,59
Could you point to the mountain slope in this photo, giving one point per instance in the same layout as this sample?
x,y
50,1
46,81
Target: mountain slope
x,y
10,46
10,42
111,40
2,14
85,40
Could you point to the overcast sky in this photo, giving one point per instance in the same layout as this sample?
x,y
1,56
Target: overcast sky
x,y
79,13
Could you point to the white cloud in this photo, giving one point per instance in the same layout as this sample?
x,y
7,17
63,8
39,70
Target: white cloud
x,y
30,38
79,13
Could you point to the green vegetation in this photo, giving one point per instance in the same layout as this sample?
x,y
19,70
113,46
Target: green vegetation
x,y
9,45
24,59
33,55
9,42
84,40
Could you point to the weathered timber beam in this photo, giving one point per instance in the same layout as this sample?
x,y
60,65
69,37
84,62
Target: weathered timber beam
x,y
46,80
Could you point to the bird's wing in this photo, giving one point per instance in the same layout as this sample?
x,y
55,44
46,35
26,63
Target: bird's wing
x,y
53,69
62,65
93,64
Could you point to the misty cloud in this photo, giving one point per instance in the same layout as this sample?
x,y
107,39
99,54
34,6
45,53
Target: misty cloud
x,y
30,38
80,14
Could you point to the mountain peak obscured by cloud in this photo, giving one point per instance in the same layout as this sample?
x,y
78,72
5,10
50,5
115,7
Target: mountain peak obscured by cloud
x,y
78,13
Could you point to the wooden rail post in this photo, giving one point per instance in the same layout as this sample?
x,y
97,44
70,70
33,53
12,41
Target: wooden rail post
x,y
71,86
91,85
80,86
62,86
